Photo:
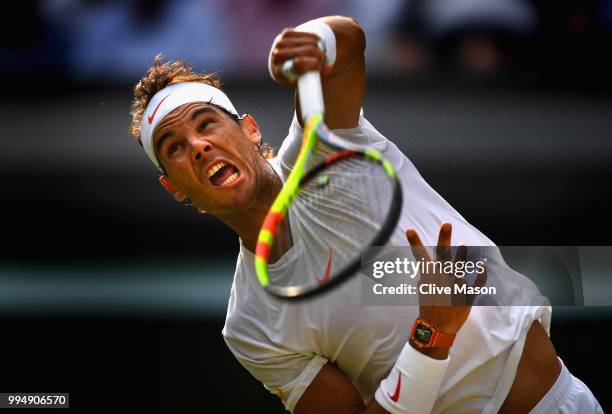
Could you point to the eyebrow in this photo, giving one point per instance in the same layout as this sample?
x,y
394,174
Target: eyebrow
x,y
200,111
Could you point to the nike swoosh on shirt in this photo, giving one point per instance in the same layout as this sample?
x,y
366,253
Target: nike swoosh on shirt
x,y
156,108
325,277
396,395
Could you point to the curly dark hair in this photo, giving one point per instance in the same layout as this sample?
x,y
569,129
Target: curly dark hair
x,y
161,75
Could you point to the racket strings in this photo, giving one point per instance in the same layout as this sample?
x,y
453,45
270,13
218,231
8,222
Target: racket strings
x,y
354,198
346,201
342,208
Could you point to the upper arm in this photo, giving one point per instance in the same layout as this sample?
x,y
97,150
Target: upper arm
x,y
283,373
332,393
344,88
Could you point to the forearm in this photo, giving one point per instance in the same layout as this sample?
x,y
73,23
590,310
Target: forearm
x,y
350,42
413,383
344,84
332,392
373,407
342,66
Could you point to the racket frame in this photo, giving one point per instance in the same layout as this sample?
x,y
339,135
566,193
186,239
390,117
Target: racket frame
x,y
311,104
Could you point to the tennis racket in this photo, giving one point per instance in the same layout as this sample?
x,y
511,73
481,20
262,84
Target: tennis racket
x,y
339,198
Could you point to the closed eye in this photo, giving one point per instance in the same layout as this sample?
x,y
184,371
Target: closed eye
x,y
203,125
174,148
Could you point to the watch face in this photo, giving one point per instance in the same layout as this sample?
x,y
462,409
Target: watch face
x,y
422,334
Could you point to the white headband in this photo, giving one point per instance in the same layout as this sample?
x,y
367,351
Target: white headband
x,y
170,98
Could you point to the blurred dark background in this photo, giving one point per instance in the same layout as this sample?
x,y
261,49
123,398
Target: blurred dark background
x,y
113,292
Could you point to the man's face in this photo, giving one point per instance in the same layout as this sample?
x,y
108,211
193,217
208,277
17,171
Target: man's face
x,y
209,157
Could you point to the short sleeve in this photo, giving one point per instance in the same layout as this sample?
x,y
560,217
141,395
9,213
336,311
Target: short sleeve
x,y
283,373
364,135
293,390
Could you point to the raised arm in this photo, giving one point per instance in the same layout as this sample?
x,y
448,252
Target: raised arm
x,y
344,83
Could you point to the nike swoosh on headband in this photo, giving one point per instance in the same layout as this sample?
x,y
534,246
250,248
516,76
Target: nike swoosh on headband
x,y
152,116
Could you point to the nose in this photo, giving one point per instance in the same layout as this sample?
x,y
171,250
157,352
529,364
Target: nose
x,y
200,148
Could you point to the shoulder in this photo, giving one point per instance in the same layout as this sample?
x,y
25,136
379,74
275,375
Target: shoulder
x,y
363,134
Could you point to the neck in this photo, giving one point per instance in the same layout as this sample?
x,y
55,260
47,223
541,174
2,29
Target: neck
x,y
248,222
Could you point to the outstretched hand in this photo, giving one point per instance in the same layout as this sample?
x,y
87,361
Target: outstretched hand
x,y
447,311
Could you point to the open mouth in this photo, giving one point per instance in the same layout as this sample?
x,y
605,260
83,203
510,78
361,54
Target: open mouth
x,y
222,174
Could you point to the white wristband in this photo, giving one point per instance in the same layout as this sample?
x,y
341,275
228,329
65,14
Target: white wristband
x,y
413,383
327,37
325,33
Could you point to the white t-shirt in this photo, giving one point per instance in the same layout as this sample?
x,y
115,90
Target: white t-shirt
x,y
284,344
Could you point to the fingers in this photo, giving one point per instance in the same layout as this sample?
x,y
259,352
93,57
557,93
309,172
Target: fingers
x,y
443,252
443,248
444,238
283,43
294,67
279,56
481,278
304,60
290,32
418,250
303,49
461,254
305,64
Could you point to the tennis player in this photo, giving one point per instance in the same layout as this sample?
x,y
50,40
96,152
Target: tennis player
x,y
330,354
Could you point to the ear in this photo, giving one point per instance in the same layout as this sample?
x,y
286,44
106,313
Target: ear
x,y
251,129
170,187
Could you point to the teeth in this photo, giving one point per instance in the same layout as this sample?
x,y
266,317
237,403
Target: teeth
x,y
230,179
215,168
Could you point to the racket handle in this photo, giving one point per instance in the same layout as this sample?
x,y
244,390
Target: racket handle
x,y
311,94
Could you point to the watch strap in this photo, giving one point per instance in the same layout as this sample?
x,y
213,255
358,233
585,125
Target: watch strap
x,y
438,339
